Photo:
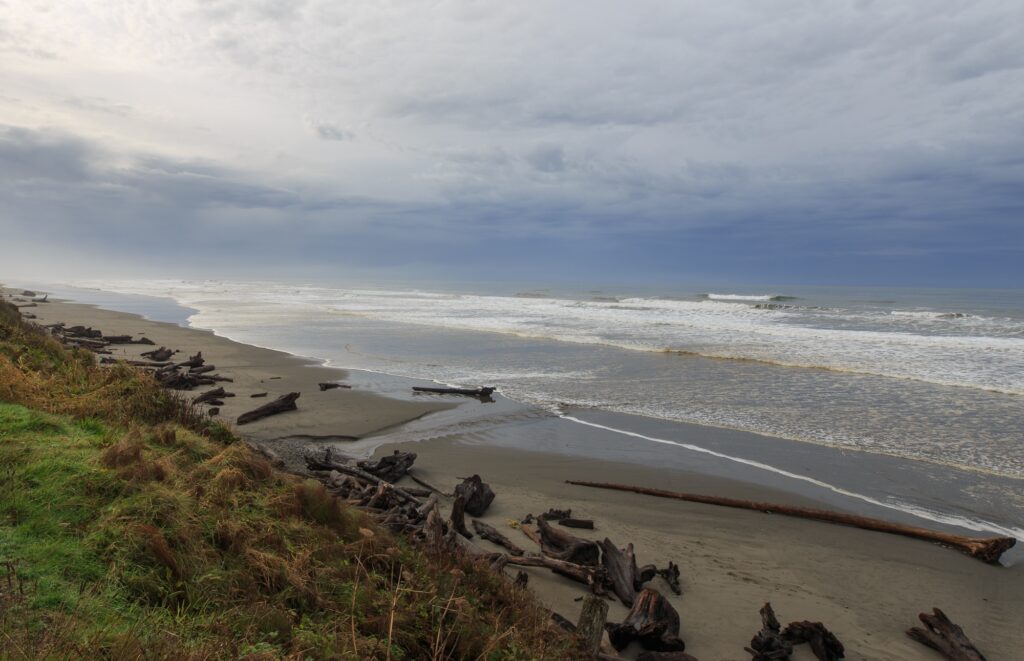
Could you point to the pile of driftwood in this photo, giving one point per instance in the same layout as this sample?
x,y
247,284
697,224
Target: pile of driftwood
x,y
608,571
184,375
90,338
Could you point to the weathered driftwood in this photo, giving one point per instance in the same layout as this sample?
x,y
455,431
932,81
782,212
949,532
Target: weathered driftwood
x,y
671,576
211,395
330,385
41,299
491,534
327,463
622,571
768,643
988,549
556,515
478,495
193,361
652,622
279,405
469,392
202,369
585,524
590,626
161,354
214,411
258,394
424,483
590,576
83,331
561,545
457,520
664,656
390,467
28,292
87,342
824,644
135,363
940,634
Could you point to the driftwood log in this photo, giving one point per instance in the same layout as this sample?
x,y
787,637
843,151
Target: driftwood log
x,y
392,467
593,577
824,644
671,576
590,626
664,656
161,354
469,392
988,549
491,534
652,622
279,405
622,571
330,385
457,519
768,643
212,395
193,361
560,545
328,464
940,634
585,524
477,494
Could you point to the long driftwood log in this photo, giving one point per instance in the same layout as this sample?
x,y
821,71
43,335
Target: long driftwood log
x,y
469,392
988,549
279,405
940,634
652,621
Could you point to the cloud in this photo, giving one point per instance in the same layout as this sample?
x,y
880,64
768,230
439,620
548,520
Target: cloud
x,y
856,129
327,131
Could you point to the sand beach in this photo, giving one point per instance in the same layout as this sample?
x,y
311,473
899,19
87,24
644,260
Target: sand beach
x,y
866,587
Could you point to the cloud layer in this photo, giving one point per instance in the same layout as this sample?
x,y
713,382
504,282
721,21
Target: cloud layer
x,y
790,140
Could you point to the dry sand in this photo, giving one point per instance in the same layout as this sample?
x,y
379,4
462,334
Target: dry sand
x,y
333,415
866,587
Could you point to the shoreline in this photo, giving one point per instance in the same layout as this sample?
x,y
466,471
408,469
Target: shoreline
x,y
866,587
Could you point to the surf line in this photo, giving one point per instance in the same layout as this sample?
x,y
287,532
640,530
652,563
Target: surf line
x,y
976,525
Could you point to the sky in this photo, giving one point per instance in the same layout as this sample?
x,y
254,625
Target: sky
x,y
813,141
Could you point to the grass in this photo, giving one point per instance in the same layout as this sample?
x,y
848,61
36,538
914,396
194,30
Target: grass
x,y
129,529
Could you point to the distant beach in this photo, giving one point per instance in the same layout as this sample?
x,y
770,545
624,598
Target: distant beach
x,y
868,587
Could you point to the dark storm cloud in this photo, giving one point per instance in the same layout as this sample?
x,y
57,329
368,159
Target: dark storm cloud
x,y
743,136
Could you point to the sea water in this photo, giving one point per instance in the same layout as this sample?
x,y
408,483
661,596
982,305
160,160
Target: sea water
x,y
934,376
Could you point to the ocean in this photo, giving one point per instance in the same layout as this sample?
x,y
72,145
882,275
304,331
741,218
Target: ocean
x,y
866,381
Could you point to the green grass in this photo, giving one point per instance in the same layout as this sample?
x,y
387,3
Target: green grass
x,y
130,532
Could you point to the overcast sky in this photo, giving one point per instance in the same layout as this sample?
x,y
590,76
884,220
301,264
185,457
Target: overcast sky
x,y
787,141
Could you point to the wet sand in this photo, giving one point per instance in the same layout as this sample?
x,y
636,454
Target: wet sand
x,y
866,587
